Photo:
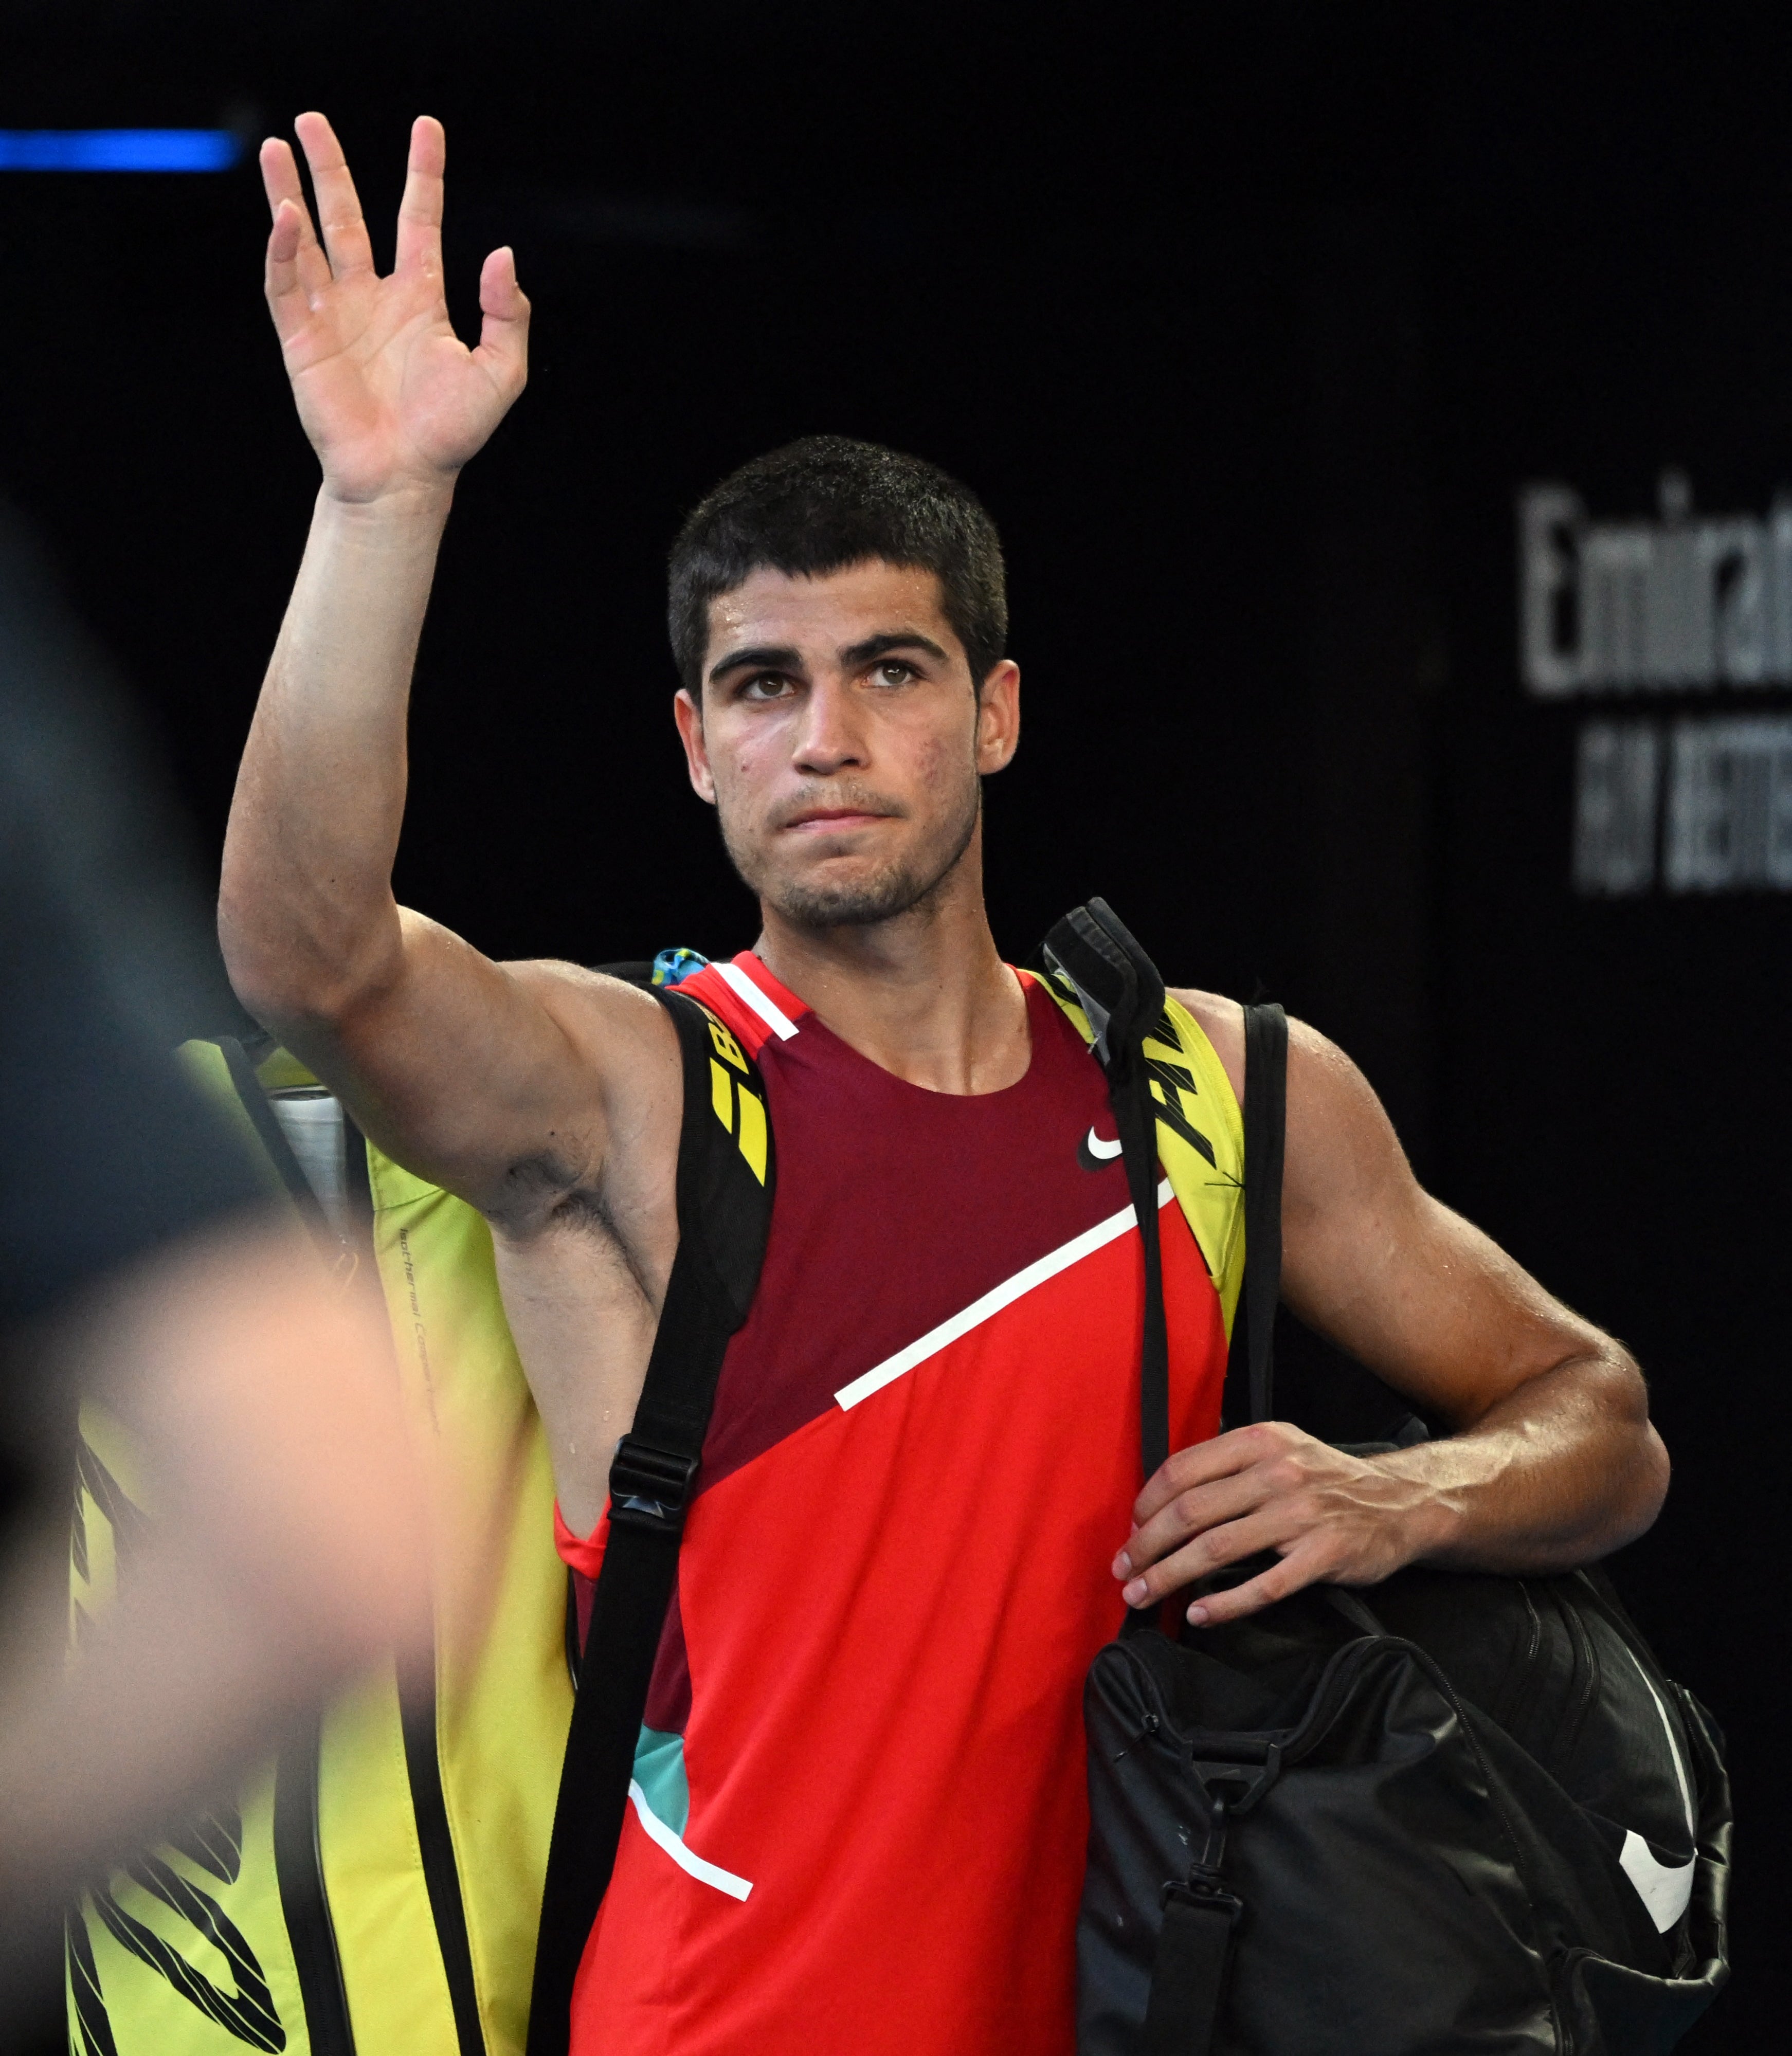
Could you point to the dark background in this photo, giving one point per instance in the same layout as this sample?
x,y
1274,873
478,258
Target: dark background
x,y
1246,323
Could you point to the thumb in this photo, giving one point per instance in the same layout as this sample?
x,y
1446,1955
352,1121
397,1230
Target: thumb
x,y
503,328
283,239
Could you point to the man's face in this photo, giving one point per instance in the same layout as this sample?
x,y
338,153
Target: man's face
x,y
841,739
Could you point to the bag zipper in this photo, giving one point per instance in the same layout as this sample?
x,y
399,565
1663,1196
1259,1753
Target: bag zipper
x,y
1588,1678
1518,1689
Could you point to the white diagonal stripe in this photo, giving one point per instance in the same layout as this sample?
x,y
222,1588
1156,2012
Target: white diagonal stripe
x,y
1004,1294
768,1010
686,1859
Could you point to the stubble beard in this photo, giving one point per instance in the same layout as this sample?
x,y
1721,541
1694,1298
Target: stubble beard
x,y
900,887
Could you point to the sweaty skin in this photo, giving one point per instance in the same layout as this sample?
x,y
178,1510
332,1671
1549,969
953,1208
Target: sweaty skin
x,y
839,734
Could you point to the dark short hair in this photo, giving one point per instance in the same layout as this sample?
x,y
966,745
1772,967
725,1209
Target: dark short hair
x,y
820,504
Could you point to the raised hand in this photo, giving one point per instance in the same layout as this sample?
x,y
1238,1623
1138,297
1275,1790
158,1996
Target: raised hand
x,y
390,397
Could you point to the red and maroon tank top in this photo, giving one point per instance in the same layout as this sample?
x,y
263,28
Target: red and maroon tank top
x,y
858,1816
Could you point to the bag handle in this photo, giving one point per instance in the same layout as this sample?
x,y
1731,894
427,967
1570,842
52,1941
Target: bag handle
x,y
724,1217
1122,993
1250,1387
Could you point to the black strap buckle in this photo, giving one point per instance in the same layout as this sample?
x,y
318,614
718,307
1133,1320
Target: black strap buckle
x,y
650,1488
1235,1788
1204,1895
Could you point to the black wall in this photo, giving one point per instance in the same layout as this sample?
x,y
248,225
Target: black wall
x,y
1248,333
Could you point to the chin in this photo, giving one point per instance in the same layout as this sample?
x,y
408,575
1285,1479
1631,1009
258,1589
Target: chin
x,y
846,903
856,891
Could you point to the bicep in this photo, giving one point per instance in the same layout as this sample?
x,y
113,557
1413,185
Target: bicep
x,y
468,1072
1390,1274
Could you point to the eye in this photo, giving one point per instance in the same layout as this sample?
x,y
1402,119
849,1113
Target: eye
x,y
765,686
893,671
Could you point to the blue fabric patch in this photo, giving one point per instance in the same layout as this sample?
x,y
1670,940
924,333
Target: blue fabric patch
x,y
659,1772
673,966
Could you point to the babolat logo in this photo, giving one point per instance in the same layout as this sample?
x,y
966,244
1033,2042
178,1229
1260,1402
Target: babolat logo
x,y
1682,602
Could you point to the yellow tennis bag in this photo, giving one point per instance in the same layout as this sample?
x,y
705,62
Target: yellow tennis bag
x,y
376,1888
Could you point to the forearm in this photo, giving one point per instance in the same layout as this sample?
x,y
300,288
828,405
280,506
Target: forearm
x,y
306,915
1562,1471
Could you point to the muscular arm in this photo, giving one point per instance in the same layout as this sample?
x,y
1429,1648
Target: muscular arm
x,y
481,1075
1553,1460
471,1073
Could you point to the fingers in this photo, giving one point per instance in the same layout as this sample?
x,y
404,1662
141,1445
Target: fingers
x,y
1289,1486
297,243
1263,1527
280,174
1190,1514
420,211
1292,1574
503,328
344,232
1328,1515
287,297
1204,1462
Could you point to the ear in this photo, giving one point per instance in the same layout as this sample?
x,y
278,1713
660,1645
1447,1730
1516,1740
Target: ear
x,y
690,718
998,717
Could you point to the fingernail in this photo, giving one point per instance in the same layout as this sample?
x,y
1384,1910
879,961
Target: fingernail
x,y
1198,1616
1134,1592
1123,1565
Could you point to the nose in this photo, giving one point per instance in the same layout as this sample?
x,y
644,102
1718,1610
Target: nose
x,y
831,737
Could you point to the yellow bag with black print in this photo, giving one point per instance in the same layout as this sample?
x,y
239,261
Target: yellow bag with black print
x,y
376,1889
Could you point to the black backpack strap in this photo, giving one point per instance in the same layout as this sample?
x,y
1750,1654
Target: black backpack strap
x,y
724,1217
1194,1954
1250,1388
273,1140
1121,992
1194,1944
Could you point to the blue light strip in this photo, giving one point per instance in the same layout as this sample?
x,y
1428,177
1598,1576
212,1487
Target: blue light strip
x,y
118,150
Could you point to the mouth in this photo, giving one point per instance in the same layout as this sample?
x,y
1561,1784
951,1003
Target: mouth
x,y
821,820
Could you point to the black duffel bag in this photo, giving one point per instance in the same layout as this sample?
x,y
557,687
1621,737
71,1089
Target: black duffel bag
x,y
1446,1814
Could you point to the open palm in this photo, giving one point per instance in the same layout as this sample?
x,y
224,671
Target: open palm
x,y
390,397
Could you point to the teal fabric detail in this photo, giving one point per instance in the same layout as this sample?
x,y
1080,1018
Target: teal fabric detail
x,y
673,966
659,1772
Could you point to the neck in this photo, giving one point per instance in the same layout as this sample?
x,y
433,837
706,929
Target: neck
x,y
925,994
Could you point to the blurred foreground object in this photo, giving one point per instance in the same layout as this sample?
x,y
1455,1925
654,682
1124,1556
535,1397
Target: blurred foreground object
x,y
355,1800
375,1879
277,1547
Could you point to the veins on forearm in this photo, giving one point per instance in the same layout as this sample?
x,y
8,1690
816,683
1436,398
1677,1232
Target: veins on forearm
x,y
1560,1471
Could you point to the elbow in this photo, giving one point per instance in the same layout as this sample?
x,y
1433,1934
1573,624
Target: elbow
x,y
262,956
1640,1470
290,977
1649,1474
269,974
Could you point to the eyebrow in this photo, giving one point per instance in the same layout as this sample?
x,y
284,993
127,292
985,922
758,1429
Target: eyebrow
x,y
874,647
785,657
762,656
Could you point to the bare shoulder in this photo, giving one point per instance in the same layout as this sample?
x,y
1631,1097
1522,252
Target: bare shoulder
x,y
621,1032
1331,1106
1342,1149
579,997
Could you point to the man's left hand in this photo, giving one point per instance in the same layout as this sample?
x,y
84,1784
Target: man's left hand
x,y
1330,1517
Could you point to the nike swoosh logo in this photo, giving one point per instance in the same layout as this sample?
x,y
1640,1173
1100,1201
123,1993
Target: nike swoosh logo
x,y
1092,1153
